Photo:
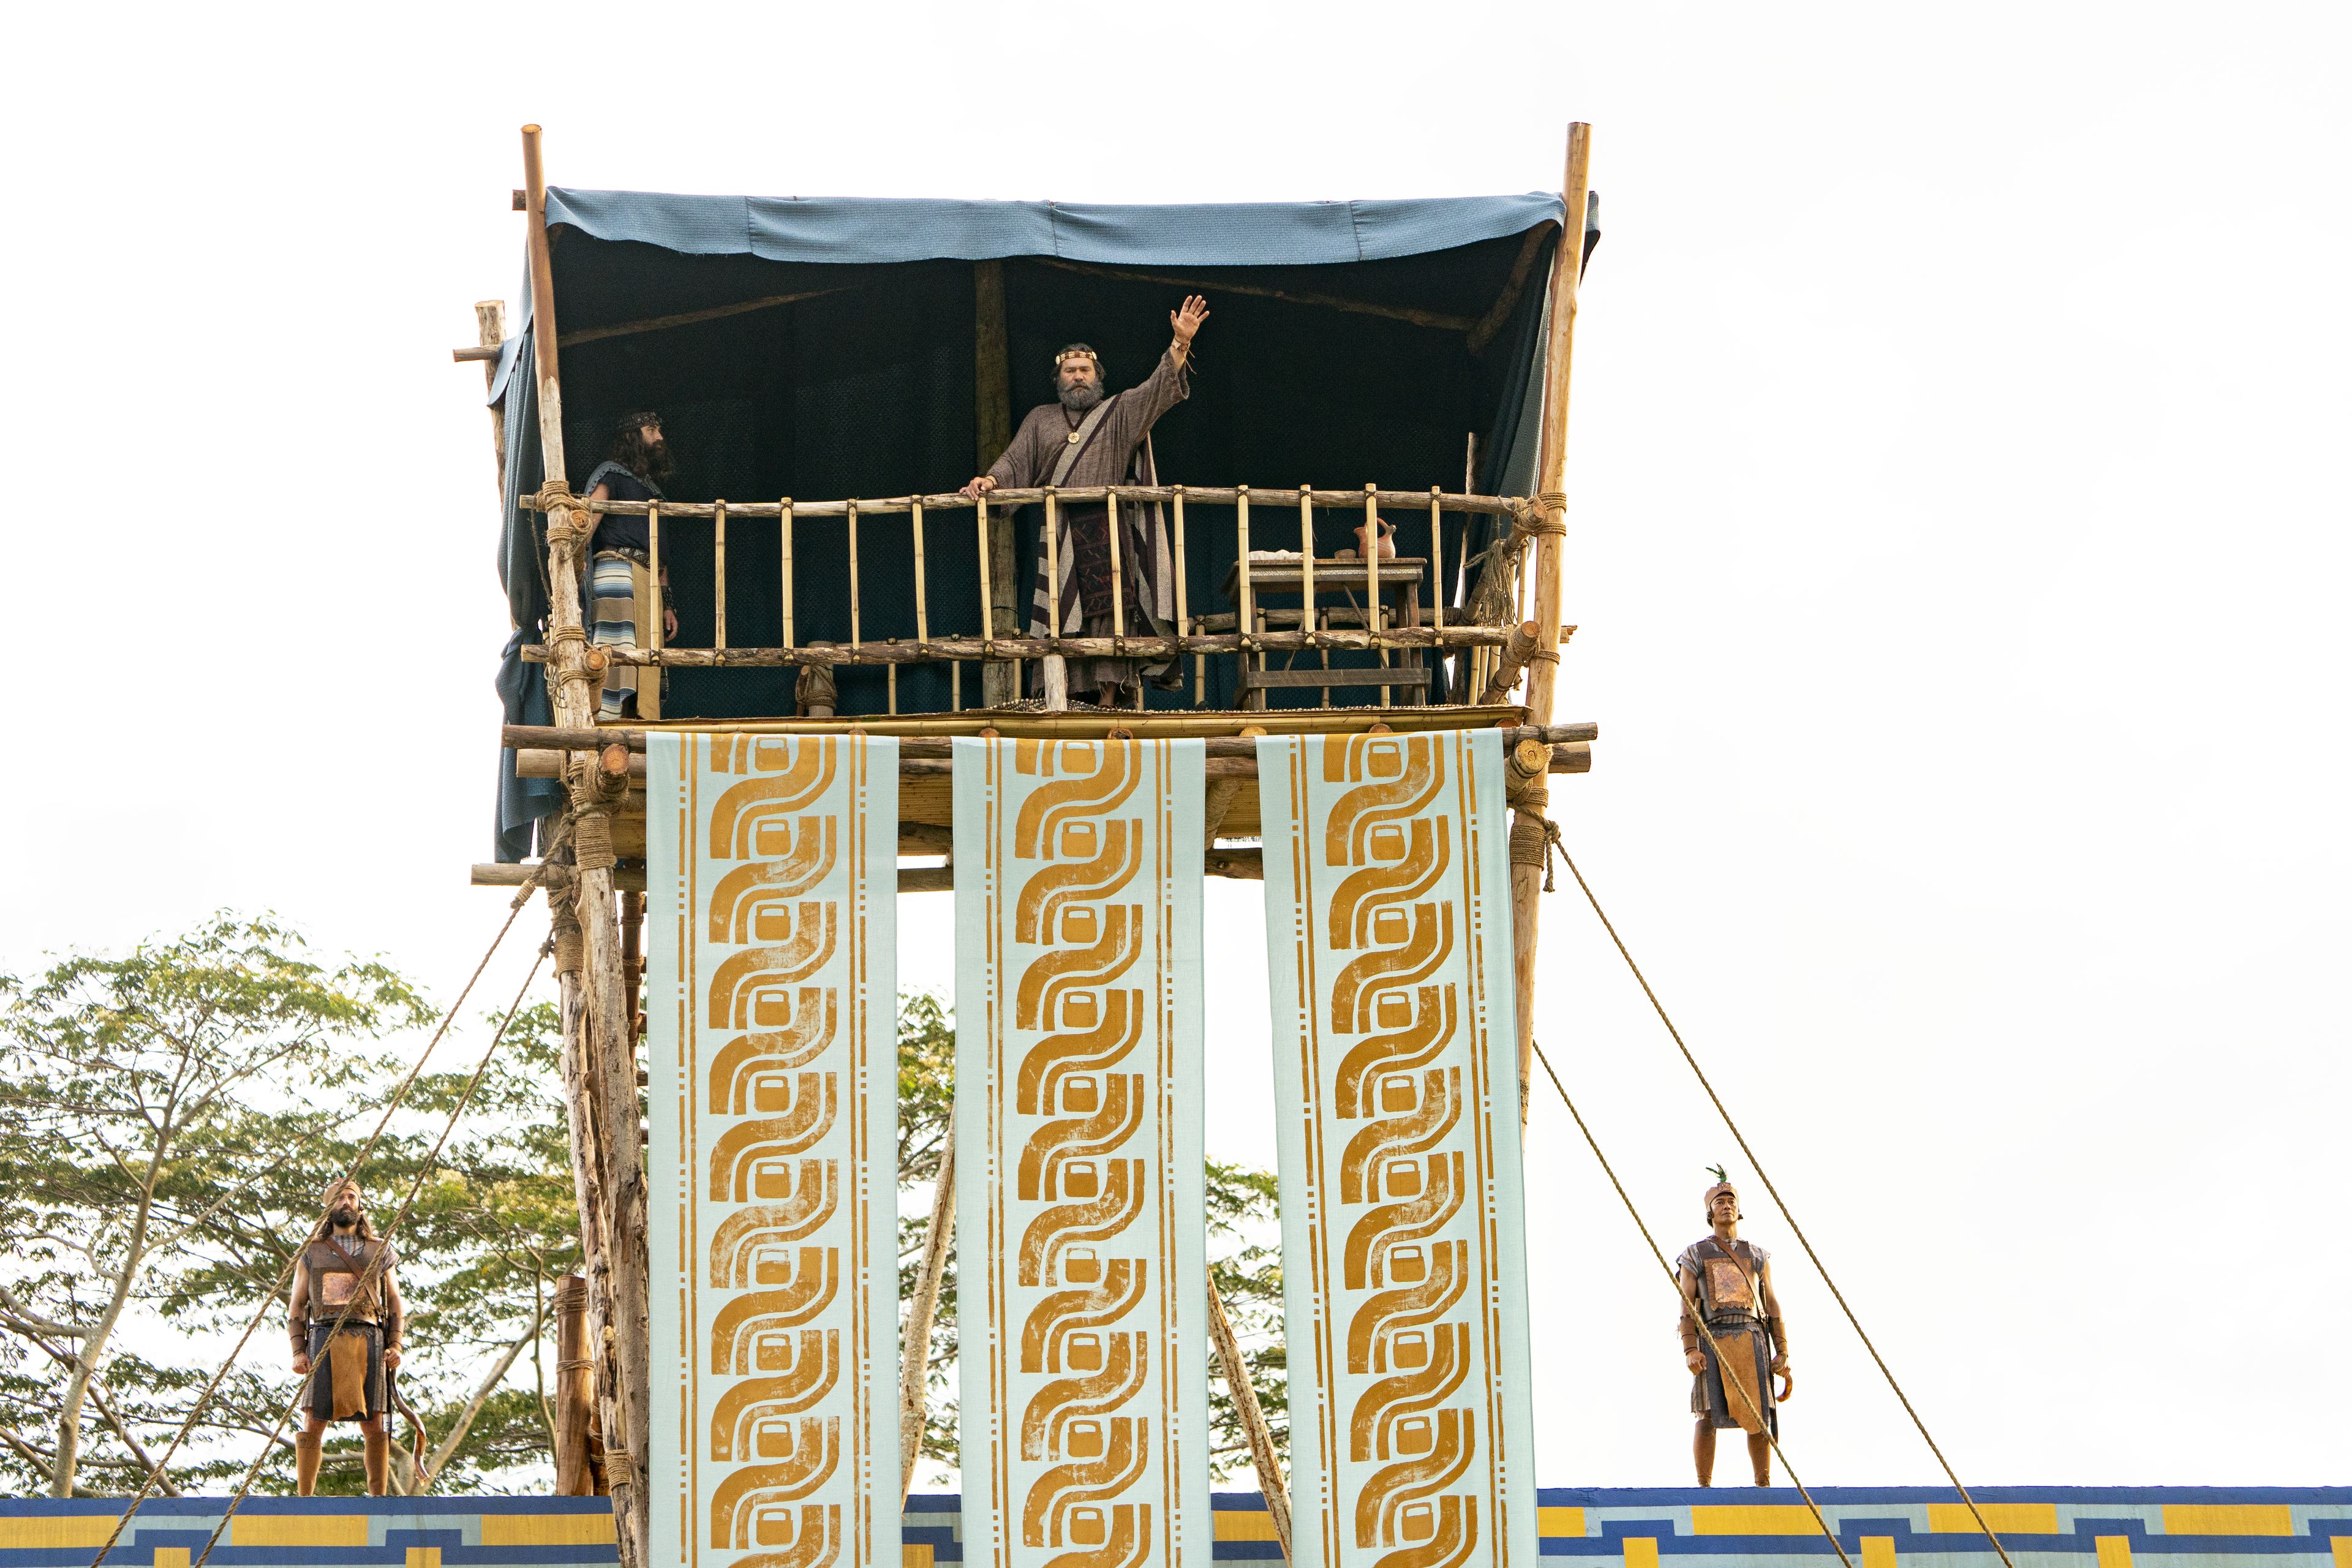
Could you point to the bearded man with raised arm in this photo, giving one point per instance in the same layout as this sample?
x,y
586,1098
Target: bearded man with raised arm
x,y
1085,438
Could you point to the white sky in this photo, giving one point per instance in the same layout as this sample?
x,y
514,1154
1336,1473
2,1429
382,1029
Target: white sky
x,y
1957,533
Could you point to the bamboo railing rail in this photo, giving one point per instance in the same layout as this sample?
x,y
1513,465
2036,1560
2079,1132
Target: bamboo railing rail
x,y
1252,632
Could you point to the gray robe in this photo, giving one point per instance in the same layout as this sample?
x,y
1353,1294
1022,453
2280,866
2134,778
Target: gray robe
x,y
1117,453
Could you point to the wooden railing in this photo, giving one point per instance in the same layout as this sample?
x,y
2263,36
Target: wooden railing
x,y
1487,632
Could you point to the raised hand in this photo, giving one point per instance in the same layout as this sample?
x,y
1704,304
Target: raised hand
x,y
1187,321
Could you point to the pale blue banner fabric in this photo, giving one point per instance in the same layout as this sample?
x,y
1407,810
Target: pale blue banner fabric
x,y
1080,1232
1388,903
771,893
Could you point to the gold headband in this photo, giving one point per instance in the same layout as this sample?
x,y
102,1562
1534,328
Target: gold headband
x,y
1089,355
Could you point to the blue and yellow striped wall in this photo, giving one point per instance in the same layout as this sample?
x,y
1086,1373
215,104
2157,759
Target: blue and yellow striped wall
x,y
1880,1527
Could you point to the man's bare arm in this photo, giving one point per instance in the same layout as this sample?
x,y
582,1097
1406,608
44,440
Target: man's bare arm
x,y
1687,1281
298,1317
395,1318
1771,1304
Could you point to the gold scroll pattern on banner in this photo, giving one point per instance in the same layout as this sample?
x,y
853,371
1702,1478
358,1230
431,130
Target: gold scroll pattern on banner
x,y
1079,1152
777,1126
1403,1160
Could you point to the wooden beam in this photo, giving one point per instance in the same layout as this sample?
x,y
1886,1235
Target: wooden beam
x,y
952,500
1263,1457
936,747
1520,647
1440,319
1483,332
490,326
940,650
1245,864
914,1345
692,318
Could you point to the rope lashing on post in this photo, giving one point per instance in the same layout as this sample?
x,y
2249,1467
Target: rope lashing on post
x,y
269,1302
375,1265
1554,507
569,522
1689,1305
1552,832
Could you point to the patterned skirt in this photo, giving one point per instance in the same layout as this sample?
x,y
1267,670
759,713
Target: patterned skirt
x,y
621,599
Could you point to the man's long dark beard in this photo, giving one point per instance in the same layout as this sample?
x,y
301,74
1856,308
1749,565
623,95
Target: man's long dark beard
x,y
345,1218
1081,397
653,463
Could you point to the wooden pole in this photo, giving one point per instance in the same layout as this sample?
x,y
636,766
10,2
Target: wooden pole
x,y
600,1055
922,591
1530,848
540,746
784,540
1118,594
576,1389
1000,683
854,636
719,578
987,604
1267,1463
1057,672
914,1340
490,326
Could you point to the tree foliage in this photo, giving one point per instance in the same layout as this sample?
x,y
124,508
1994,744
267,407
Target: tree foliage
x,y
169,1122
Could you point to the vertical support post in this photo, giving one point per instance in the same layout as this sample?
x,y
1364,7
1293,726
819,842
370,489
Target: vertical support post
x,y
1372,621
1000,683
1530,845
1436,563
490,331
987,602
575,1388
1056,669
1118,589
1242,621
922,593
1183,607
784,524
600,1072
1307,560
718,576
653,569
854,625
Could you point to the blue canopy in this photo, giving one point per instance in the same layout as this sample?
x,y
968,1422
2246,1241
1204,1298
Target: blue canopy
x,y
826,347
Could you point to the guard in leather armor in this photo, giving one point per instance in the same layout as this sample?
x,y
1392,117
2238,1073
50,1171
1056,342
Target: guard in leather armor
x,y
1728,1282
345,1276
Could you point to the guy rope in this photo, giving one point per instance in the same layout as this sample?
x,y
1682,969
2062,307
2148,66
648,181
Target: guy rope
x,y
1551,831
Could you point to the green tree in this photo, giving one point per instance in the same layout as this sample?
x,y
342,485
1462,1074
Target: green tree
x,y
168,1121
1242,1209
127,1087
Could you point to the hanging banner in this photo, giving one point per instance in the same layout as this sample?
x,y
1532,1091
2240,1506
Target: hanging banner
x,y
1388,919
1080,1246
771,897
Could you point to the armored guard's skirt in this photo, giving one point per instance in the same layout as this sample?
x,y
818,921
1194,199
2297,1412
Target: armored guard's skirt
x,y
347,1381
1748,1405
